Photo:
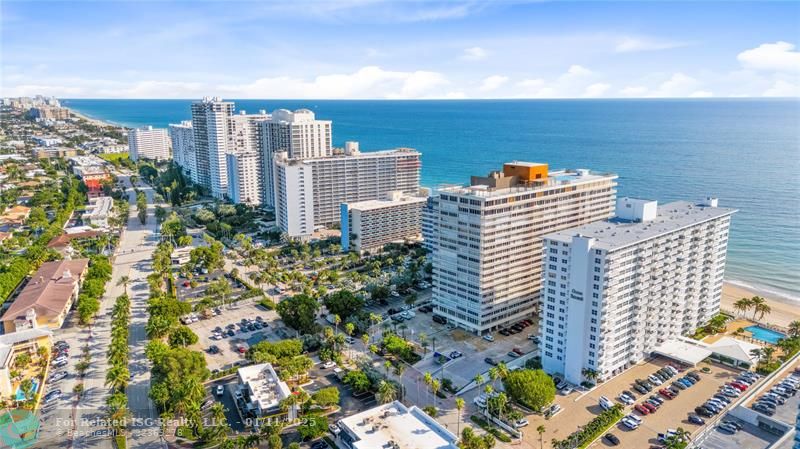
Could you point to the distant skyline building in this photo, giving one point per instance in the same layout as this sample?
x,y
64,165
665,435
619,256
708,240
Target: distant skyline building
x,y
616,289
149,143
349,177
211,124
299,134
487,238
371,225
183,151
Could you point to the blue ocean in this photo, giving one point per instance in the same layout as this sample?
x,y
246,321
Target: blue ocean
x,y
744,151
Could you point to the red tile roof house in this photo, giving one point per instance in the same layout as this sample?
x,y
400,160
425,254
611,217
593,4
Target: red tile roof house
x,y
47,298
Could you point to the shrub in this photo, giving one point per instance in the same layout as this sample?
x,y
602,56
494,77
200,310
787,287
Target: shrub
x,y
532,388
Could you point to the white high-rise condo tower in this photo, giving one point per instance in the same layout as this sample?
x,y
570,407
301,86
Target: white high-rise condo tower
x,y
211,124
616,289
486,238
348,177
297,133
183,152
148,143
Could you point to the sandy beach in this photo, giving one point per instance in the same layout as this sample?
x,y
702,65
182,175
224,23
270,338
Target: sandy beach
x,y
91,120
784,311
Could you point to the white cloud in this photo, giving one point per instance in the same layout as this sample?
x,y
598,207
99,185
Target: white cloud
x,y
596,90
783,88
633,91
474,54
493,82
637,44
576,71
678,85
701,94
778,57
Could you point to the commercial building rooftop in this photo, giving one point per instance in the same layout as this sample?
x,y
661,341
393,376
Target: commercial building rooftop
x,y
395,426
617,233
266,389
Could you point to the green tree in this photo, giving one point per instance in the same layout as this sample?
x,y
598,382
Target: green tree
x,y
326,397
344,303
357,380
313,426
533,388
182,336
299,312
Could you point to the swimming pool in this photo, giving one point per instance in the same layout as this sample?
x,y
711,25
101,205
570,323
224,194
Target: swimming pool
x,y
21,395
764,334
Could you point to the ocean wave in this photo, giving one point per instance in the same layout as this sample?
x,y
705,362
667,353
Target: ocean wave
x,y
767,291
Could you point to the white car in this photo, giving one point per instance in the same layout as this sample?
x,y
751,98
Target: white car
x,y
629,423
329,364
627,400
488,337
59,360
220,390
654,379
58,376
520,423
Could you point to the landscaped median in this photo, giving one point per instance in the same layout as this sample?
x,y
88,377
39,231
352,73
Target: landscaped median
x,y
592,430
483,424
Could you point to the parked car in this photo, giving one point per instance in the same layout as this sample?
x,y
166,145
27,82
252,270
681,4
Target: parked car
x,y
488,337
220,390
522,422
490,361
55,377
611,438
694,419
455,354
641,409
727,427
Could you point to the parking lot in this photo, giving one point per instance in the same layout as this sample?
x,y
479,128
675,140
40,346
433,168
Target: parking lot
x,y
194,289
578,408
229,345
444,339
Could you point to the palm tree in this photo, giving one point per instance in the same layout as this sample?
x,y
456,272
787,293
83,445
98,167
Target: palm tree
x,y
459,407
493,375
387,392
794,329
589,374
763,309
768,352
756,302
117,376
478,379
123,281
756,353
540,430
743,305
435,385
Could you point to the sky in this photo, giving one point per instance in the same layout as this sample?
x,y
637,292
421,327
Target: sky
x,y
375,49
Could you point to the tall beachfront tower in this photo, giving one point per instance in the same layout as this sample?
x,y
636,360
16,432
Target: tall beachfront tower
x,y
616,289
183,152
299,134
343,178
148,143
211,124
486,238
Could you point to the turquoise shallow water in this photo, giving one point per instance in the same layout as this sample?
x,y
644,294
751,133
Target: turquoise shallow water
x,y
746,152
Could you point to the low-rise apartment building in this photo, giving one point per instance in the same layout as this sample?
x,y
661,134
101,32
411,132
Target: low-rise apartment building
x,y
98,212
616,289
370,225
47,297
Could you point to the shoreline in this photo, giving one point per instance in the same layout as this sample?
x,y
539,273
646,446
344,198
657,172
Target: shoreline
x,y
784,310
94,121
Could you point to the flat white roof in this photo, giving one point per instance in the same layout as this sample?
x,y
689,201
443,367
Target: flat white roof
x,y
555,179
382,204
615,233
684,350
265,387
408,428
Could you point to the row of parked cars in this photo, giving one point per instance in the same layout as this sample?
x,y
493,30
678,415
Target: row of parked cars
x,y
516,328
768,402
246,325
